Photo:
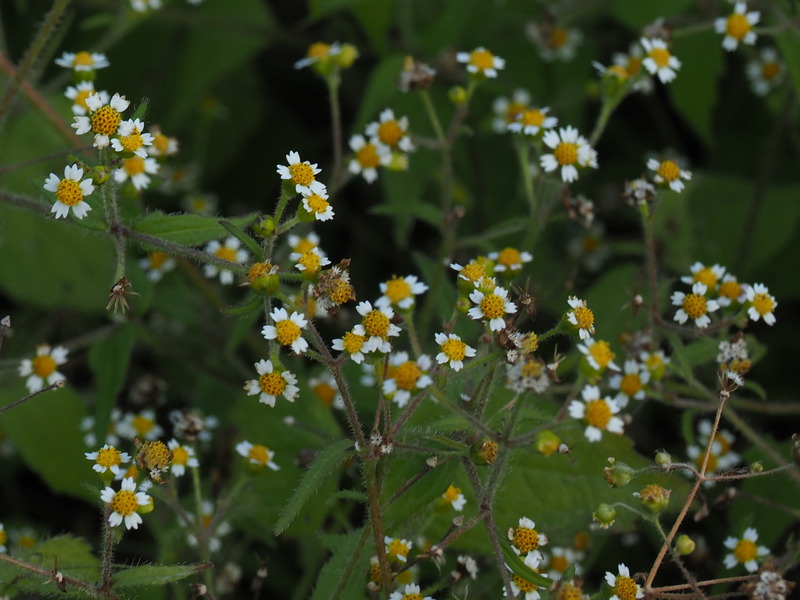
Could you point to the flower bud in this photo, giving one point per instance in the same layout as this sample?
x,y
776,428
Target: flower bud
x,y
757,467
463,304
147,508
654,498
458,95
347,56
618,474
546,442
265,227
605,515
264,279
483,452
684,545
663,458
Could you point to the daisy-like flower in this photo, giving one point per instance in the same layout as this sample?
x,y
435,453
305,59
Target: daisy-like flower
x,y
124,504
452,350
79,93
491,306
411,592
192,424
310,262
318,205
163,145
182,457
761,305
301,174
659,60
570,151
206,521
525,538
722,448
667,172
257,455
390,131
765,72
738,27
405,377
82,61
156,264
354,343
142,425
510,260
507,110
42,369
631,383
104,118
287,330
481,63
745,551
527,373
520,585
107,459
694,306
301,244
138,170
531,121
598,354
598,413
708,276
397,549
631,63
559,561
131,139
400,292
70,192
271,384
325,388
376,326
318,52
367,157
554,42
581,316
231,251
472,272
622,585
730,291
453,497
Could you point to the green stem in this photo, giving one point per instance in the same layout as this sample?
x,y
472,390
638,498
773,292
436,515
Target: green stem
x,y
609,104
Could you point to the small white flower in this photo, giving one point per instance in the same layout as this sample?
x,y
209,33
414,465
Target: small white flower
x,y
82,61
138,170
694,306
43,368
623,580
765,72
302,174
598,413
659,61
762,304
492,307
453,350
400,291
406,377
271,384
745,551
481,62
107,458
631,382
182,457
70,192
667,172
411,591
287,330
257,454
124,504
231,252
390,132
738,27
570,151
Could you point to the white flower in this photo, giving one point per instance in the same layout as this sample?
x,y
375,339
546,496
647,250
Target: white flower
x,y
271,384
376,326
762,304
531,121
257,454
694,306
581,317
82,61
406,377
107,458
131,139
745,551
623,585
231,252
481,62
302,174
287,330
124,504
453,350
142,425
390,132
631,383
70,192
667,172
400,291
79,93
182,457
708,276
737,27
138,170
411,592
598,413
103,127
570,151
659,61
507,110
765,72
317,205
492,307
42,369
353,343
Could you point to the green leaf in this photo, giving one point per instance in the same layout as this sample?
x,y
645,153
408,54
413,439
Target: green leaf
x,y
517,565
330,578
324,465
156,574
789,43
71,555
109,359
636,14
188,230
235,231
349,495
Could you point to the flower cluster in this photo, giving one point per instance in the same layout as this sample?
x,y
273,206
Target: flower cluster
x,y
384,143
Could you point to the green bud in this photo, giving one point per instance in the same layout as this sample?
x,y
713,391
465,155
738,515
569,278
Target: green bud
x,y
757,467
654,498
684,545
618,474
457,95
483,452
265,227
347,56
147,508
663,458
463,304
546,442
605,515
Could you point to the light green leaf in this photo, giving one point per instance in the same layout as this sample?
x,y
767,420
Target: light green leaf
x,y
788,41
71,555
109,359
330,581
156,574
188,230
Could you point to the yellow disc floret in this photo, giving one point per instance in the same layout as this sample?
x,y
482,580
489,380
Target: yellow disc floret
x,y
397,289
317,203
272,384
105,120
376,324
44,366
310,260
302,173
325,393
454,349
156,259
124,503
533,117
180,455
584,317
367,156
598,413
482,59
133,165
745,551
108,457
669,170
694,305
132,142
525,539
353,342
601,353
631,384
626,588
566,153
737,26
492,306
390,132
763,303
69,192
660,56
259,453
407,374
523,584
288,332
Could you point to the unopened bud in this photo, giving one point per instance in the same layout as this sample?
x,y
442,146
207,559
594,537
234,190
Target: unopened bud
x,y
546,442
265,227
605,515
347,56
684,545
663,458
618,474
654,498
457,95
484,452
757,467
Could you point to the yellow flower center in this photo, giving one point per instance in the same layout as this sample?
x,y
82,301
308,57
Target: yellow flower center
x,y
451,494
155,455
598,413
310,260
69,192
745,551
325,393
25,541
488,451
156,259
631,384
180,456
368,157
634,64
83,59
626,588
376,324
80,98
108,457
303,246
226,253
509,257
272,384
533,117
397,548
711,465
161,143
105,120
669,170
558,38
660,56
288,332
341,292
584,317
473,272
738,26
124,503
532,368
568,591
601,353
258,270
142,424
131,472
259,453
389,132
525,539
770,70
318,50
482,59
559,563
653,362
566,153
454,349
763,304
523,584
492,306
412,597
397,289
302,173
133,165
694,305
730,289
406,375
132,142
707,277
353,342
317,203
44,366
514,110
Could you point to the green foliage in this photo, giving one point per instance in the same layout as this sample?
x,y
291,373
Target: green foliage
x,y
188,230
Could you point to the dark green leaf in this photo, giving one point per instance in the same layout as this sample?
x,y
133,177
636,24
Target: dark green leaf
x,y
156,574
109,359
188,230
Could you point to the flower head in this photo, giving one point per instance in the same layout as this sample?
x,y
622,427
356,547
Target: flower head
x,y
163,145
376,326
761,305
631,383
142,425
598,413
554,42
397,549
368,156
354,343
510,260
391,131
70,192
411,593
766,71
124,504
738,27
570,151
492,306
231,251
525,538
317,205
452,350
667,172
79,93
301,174
659,61
532,121
481,63
325,388
207,521
104,119
453,497
598,355
694,306
138,170
520,585
156,264
582,317
310,262
43,368
82,61
745,551
730,291
182,457
131,139
257,455
405,377
319,53
107,459
507,110
400,292
622,585
271,384
708,276
287,330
